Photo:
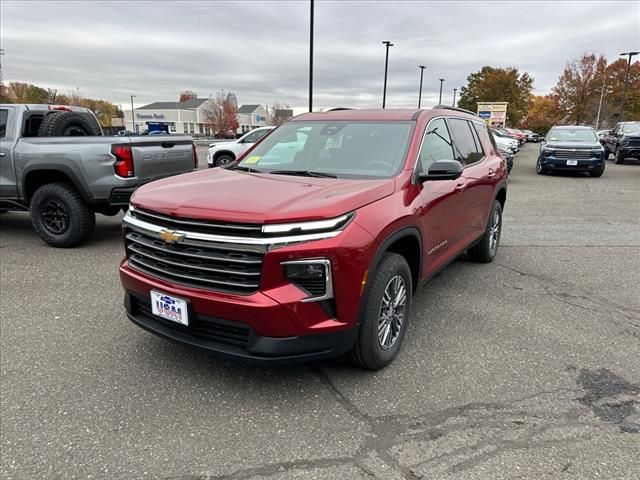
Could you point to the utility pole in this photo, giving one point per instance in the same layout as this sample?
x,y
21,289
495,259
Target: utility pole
x,y
133,118
311,57
454,97
421,67
1,82
386,66
604,79
626,81
440,98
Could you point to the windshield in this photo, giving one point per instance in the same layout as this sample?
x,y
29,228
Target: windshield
x,y
631,127
336,149
583,135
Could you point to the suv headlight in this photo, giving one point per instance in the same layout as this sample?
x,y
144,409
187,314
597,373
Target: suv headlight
x,y
314,226
313,276
624,142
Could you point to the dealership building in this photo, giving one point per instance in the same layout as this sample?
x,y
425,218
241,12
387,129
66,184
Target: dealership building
x,y
188,117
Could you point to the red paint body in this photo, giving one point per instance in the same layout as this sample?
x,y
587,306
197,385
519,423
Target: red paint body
x,y
449,215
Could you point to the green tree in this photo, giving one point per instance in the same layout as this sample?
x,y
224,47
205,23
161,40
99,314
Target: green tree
x,y
492,84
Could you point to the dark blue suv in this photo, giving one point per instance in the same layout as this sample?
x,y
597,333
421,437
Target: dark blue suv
x,y
573,148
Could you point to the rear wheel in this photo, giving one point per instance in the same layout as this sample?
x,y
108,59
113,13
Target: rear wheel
x,y
386,310
60,217
486,249
619,157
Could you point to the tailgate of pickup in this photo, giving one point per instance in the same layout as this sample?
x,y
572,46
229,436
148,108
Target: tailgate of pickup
x,y
162,156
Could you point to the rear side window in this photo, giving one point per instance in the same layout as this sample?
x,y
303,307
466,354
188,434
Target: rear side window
x,y
483,133
436,144
466,150
4,114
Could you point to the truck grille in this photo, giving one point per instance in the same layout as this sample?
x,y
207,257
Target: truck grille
x,y
227,267
573,154
634,142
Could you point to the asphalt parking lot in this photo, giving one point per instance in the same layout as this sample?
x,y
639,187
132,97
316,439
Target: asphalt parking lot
x,y
525,368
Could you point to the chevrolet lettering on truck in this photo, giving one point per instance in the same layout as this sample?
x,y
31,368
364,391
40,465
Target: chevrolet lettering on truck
x,y
313,244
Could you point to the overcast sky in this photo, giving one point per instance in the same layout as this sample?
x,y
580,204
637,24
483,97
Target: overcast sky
x,y
259,49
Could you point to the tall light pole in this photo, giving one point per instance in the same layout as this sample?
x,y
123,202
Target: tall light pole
x,y
454,97
421,67
604,79
311,57
626,81
133,118
440,98
386,67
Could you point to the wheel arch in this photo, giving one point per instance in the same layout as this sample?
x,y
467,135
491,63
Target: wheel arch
x,y
35,177
407,242
218,154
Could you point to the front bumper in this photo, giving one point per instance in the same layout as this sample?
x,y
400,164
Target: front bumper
x,y
584,165
239,340
630,151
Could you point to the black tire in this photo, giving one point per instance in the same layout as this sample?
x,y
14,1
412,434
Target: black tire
x,y
619,157
67,124
368,351
224,160
598,172
606,153
485,250
60,217
540,170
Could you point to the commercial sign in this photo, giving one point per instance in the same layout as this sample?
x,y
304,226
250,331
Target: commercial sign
x,y
149,116
493,113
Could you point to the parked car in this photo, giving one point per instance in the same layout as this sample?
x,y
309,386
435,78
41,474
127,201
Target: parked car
x,y
571,148
623,141
500,136
311,252
522,137
602,135
223,154
531,136
56,163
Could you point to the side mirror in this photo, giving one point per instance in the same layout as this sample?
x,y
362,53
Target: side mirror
x,y
442,170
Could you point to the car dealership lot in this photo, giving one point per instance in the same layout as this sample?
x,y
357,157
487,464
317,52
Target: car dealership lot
x,y
528,366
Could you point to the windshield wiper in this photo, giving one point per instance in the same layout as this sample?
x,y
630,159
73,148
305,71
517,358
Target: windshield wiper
x,y
304,173
247,169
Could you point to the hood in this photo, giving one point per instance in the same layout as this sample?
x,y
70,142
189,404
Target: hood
x,y
576,145
631,135
233,196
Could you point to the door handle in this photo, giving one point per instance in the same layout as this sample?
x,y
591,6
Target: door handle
x,y
491,173
460,187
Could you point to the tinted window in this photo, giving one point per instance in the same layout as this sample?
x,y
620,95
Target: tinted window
x,y
483,133
464,144
255,136
436,144
3,122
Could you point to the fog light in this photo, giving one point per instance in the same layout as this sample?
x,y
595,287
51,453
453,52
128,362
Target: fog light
x,y
313,276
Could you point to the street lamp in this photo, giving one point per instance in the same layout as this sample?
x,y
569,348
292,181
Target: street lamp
x,y
133,119
440,98
421,67
311,58
626,81
600,104
454,97
386,66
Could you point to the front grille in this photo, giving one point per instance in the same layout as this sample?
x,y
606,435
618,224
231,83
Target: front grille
x,y
228,267
573,154
218,330
634,142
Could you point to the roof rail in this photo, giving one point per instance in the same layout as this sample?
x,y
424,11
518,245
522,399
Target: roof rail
x,y
449,107
337,109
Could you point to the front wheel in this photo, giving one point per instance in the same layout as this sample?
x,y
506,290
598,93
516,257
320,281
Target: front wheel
x,y
485,250
60,217
598,172
540,170
606,153
619,157
224,161
386,309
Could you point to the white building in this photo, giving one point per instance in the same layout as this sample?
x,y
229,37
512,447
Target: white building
x,y
188,117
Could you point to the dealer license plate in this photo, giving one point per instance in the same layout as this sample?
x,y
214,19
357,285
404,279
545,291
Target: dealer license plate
x,y
171,308
572,163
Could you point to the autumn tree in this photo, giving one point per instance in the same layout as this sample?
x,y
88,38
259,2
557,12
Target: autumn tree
x,y
187,95
544,112
614,87
221,115
492,84
19,92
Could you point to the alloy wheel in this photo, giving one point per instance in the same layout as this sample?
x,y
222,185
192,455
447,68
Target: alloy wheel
x,y
392,312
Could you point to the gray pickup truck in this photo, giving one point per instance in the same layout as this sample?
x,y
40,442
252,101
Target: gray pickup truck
x,y
56,163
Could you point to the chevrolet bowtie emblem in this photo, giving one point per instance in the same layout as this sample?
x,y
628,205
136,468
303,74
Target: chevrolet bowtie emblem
x,y
170,236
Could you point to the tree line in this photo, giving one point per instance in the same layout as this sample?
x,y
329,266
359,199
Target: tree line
x,y
573,100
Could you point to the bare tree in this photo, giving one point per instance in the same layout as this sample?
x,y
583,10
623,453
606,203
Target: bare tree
x,y
278,114
221,115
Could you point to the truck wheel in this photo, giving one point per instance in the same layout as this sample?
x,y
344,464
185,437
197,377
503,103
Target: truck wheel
x,y
606,153
540,170
619,157
67,124
485,250
224,160
598,172
60,217
387,306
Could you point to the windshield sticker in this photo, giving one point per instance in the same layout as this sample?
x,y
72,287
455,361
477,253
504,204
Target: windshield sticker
x,y
253,159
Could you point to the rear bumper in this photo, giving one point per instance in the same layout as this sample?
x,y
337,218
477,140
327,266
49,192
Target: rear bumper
x,y
238,340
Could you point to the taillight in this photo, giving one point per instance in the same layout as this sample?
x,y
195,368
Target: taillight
x,y
124,160
60,107
195,157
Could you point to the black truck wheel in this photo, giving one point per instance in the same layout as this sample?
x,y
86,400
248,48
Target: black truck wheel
x,y
67,124
385,313
619,157
60,217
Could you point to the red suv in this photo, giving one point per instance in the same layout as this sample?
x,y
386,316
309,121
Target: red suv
x,y
313,244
